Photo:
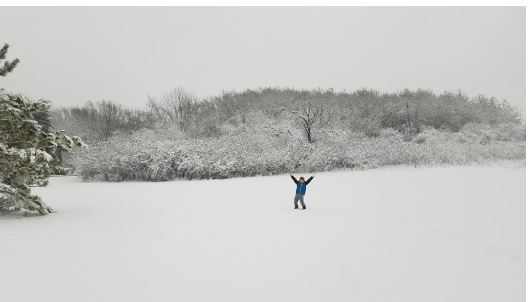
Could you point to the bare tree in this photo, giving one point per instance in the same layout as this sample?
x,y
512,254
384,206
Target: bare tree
x,y
109,118
312,118
176,107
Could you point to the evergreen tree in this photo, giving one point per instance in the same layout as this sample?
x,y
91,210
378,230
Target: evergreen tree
x,y
25,149
8,65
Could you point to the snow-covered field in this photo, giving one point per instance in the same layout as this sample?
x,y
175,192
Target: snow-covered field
x,y
398,234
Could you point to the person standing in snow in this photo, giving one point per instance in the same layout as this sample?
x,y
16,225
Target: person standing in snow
x,y
300,190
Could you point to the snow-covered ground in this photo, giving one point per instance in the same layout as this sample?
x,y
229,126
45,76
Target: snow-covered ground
x,y
398,234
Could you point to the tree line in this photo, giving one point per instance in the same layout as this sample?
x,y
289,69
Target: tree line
x,y
366,111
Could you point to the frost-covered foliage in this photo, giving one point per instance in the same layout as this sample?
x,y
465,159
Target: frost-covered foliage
x,y
245,152
25,150
271,131
366,111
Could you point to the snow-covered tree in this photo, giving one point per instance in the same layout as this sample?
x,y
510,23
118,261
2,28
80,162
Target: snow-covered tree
x,y
25,149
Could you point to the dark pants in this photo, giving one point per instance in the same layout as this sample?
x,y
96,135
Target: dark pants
x,y
300,198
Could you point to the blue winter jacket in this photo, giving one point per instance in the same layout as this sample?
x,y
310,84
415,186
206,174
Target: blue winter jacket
x,y
301,187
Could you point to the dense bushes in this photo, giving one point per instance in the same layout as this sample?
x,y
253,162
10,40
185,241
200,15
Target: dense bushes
x,y
267,131
145,156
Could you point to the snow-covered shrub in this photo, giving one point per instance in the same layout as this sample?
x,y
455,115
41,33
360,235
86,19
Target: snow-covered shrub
x,y
245,151
391,134
503,132
368,126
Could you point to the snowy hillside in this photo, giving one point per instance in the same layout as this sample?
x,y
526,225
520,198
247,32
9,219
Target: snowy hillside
x,y
401,234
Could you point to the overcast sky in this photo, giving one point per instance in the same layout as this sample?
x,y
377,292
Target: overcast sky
x,y
72,55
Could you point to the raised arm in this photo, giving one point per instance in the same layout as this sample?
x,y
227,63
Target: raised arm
x,y
294,179
309,180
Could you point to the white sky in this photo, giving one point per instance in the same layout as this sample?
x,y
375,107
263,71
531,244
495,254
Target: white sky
x,y
72,55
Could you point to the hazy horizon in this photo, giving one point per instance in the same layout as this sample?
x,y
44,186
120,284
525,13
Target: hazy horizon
x,y
71,55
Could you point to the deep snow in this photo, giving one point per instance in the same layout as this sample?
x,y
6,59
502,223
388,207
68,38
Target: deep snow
x,y
398,234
